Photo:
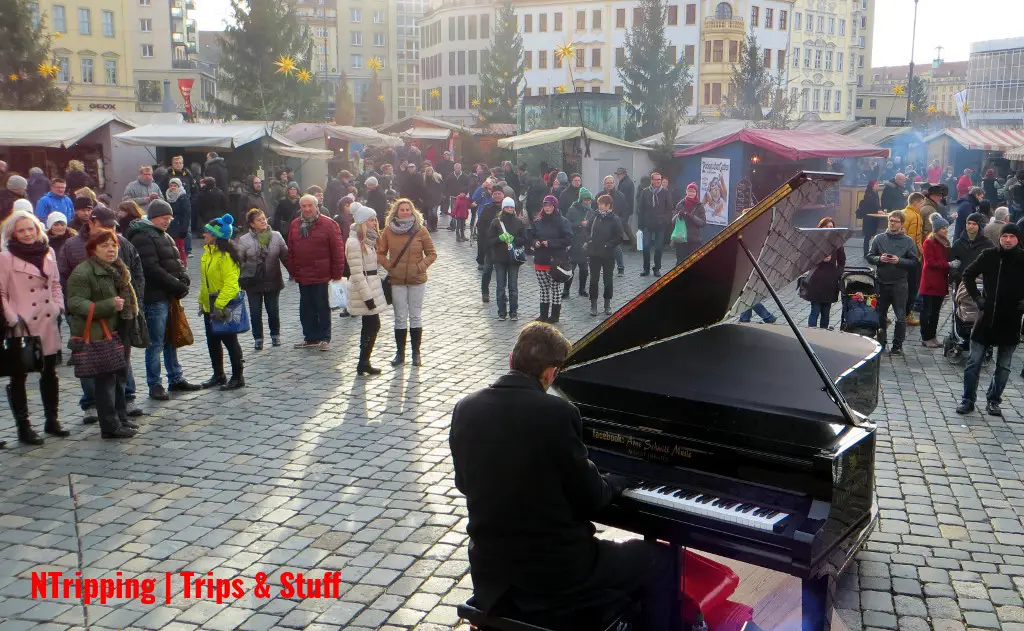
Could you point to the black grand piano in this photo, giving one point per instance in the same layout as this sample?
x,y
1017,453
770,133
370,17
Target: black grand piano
x,y
746,441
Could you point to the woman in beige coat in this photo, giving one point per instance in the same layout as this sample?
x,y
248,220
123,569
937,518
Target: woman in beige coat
x,y
365,292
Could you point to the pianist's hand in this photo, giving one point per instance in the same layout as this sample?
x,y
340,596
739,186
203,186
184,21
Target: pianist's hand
x,y
618,483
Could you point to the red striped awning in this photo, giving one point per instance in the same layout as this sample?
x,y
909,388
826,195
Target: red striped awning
x,y
987,138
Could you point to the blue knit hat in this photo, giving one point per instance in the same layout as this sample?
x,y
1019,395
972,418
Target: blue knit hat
x,y
222,227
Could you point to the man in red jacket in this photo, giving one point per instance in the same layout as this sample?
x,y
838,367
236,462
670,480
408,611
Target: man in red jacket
x,y
316,256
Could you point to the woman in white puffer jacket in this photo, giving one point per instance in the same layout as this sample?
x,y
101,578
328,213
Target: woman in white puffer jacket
x,y
365,291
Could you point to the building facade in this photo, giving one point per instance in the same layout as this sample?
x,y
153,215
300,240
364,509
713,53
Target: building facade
x,y
995,83
92,49
943,81
322,22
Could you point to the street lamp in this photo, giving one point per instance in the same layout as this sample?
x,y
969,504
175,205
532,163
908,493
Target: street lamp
x,y
910,78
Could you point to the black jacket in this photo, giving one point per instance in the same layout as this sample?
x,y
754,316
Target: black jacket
x,y
187,181
554,229
655,209
286,211
966,251
219,171
619,206
567,198
376,200
445,168
333,193
483,221
411,187
603,235
76,180
166,277
455,184
577,215
1003,272
515,226
894,197
181,226
212,203
628,190
530,489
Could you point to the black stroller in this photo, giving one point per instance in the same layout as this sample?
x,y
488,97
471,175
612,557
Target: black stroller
x,y
859,297
964,314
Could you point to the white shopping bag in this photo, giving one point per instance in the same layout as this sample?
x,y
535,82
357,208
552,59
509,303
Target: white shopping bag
x,y
338,293
640,240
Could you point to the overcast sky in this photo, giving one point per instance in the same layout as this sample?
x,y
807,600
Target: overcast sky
x,y
953,24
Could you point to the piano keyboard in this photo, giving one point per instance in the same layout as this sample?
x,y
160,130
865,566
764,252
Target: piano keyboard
x,y
707,505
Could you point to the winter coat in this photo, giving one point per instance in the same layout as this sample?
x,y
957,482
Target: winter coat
x,y
618,203
603,235
822,284
965,207
38,185
413,189
364,280
963,185
271,260
57,243
992,230
91,284
7,199
166,277
73,253
695,217
376,200
935,273
50,202
894,197
655,209
515,227
460,209
139,193
333,193
318,258
34,296
991,191
628,190
76,179
411,269
218,277
579,218
455,184
218,170
188,182
211,204
966,251
344,220
554,229
181,226
913,226
249,199
899,245
433,190
567,198
1003,272
286,212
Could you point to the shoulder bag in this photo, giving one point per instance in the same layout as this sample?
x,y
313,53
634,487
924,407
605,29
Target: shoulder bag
x,y
20,355
179,334
238,314
516,254
97,357
385,283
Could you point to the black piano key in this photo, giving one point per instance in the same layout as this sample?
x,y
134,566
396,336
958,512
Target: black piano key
x,y
759,512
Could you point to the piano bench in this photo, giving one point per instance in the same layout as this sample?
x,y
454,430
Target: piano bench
x,y
479,620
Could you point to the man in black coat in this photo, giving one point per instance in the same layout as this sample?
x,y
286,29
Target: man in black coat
x,y
455,182
1001,306
531,492
483,256
967,206
570,195
217,169
655,220
622,209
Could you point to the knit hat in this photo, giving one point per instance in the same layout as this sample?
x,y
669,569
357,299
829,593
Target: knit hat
x,y
158,208
550,199
83,202
508,202
978,218
24,204
938,222
371,181
562,178
175,180
55,217
1010,228
294,185
222,228
353,207
585,194
361,214
16,183
692,185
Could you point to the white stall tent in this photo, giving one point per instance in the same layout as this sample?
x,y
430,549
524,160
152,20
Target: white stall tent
x,y
54,130
218,136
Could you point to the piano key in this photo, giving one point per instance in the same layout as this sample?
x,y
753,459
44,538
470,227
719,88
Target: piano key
x,y
707,505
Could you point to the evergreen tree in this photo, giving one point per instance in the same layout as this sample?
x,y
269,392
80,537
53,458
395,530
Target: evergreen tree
x,y
654,84
27,70
752,83
501,76
373,105
345,109
919,95
264,34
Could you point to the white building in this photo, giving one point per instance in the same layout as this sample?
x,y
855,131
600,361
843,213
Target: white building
x,y
995,83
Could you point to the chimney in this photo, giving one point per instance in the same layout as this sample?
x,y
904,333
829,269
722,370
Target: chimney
x,y
168,104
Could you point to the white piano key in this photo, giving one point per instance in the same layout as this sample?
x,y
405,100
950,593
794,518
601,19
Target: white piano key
x,y
661,495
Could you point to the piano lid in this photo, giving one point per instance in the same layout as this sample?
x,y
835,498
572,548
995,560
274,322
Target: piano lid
x,y
701,291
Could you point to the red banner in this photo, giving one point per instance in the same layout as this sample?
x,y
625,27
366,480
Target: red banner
x,y
185,87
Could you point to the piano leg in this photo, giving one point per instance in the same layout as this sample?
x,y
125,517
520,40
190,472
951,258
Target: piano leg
x,y
816,603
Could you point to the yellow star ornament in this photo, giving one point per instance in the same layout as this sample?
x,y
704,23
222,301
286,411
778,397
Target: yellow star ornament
x,y
435,93
13,77
419,108
380,97
913,108
304,76
932,109
475,103
565,50
375,64
967,108
48,70
899,90
285,65
560,89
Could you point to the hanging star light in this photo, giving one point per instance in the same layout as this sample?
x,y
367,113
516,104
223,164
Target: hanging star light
x,y
475,102
300,57
13,76
47,69
932,109
435,93
304,76
564,51
560,89
285,65
375,64
380,97
913,108
490,101
967,107
288,114
899,90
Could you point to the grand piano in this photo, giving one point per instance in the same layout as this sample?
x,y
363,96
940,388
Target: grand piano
x,y
743,440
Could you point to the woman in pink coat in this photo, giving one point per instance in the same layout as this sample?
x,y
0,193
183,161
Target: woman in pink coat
x,y
32,301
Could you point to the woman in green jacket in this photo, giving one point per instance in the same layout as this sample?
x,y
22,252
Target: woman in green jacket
x,y
103,283
220,268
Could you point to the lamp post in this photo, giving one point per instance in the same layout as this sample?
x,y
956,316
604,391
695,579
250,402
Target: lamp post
x,y
910,76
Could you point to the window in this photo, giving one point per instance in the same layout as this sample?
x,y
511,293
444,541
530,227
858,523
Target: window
x,y
462,27
544,22
451,97
816,101
718,51
147,50
378,18
755,15
716,93
355,15
473,93
769,18
872,104
793,96
556,61
688,54
691,14
707,50
595,57
87,71
64,69
828,60
796,57
527,59
783,18
451,63
356,38
734,51
780,60
638,16
357,61
581,20
485,27
540,91
472,61
378,40
595,20
860,103
108,23
805,99
145,3
827,103
527,23
860,61
451,28
620,18
821,23
842,26
84,21
707,94
542,59
797,17
672,55
472,27
839,62
146,25
807,58
767,57
831,26
839,102
723,12
817,60
620,57
860,41
810,23
580,58
596,89
110,71
673,15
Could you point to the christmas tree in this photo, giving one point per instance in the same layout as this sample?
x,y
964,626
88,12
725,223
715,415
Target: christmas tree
x,y
752,82
373,105
502,74
345,109
28,73
654,84
262,57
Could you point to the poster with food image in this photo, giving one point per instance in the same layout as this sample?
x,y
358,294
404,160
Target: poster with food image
x,y
714,189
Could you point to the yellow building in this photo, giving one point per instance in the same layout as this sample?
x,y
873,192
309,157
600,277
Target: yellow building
x,y
91,45
942,79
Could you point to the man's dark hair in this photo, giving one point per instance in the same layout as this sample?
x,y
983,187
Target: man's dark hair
x,y
574,176
57,180
540,346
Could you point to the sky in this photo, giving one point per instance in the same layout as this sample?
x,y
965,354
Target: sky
x,y
953,24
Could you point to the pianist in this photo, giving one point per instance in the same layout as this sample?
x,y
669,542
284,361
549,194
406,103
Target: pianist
x,y
531,492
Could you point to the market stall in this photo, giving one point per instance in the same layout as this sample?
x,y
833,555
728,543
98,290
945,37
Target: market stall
x,y
978,149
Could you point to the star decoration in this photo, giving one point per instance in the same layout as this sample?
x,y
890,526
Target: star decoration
x,y
375,64
419,108
967,108
932,109
899,90
509,101
490,101
435,93
913,108
380,97
288,114
560,89
58,35
13,77
480,117
300,57
475,103
285,65
565,50
304,76
47,69
67,108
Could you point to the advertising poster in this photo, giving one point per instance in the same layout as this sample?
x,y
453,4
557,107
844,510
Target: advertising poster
x,y
714,189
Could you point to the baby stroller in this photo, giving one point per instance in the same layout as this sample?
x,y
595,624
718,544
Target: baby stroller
x,y
965,313
859,297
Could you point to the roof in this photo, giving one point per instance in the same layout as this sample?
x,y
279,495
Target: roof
x,y
138,119
843,127
700,133
875,135
985,138
403,124
558,134
51,129
498,129
900,73
217,136
426,133
795,144
1017,153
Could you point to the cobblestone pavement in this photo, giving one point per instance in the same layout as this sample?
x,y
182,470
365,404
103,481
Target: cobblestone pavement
x,y
312,469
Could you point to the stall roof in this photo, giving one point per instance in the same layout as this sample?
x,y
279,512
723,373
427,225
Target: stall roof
x,y
304,132
1017,153
558,134
875,135
700,133
404,124
217,135
51,129
426,133
986,138
794,144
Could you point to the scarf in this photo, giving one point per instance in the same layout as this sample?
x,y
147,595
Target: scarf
x,y
402,226
941,239
173,195
307,224
603,212
263,238
371,237
32,253
122,284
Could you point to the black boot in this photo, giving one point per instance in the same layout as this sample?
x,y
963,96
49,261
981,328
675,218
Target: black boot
x,y
565,289
237,381
218,379
544,307
366,343
50,391
19,408
593,306
556,310
607,306
400,337
417,337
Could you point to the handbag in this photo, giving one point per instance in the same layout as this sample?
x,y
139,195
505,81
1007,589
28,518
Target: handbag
x,y
561,269
20,355
97,357
516,255
179,334
386,282
238,314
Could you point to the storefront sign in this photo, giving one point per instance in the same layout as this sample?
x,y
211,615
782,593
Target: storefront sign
x,y
103,106
185,87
